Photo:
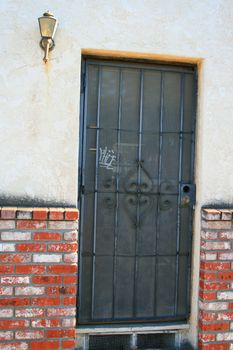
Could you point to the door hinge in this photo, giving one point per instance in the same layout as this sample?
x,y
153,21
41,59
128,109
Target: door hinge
x,y
81,191
83,82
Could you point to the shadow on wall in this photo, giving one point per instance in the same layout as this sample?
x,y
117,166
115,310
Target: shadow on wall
x,y
26,201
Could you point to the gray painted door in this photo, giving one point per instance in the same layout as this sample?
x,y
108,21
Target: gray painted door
x,y
136,192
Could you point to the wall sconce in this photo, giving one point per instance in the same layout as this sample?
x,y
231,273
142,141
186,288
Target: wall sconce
x,y
48,26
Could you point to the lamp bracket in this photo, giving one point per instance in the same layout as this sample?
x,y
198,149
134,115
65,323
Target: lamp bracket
x,y
47,41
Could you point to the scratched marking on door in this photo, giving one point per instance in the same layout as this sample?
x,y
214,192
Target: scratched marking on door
x,y
107,158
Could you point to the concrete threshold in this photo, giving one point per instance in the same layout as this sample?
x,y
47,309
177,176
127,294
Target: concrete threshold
x,y
139,329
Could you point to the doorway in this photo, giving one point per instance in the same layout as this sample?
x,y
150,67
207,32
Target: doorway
x,y
136,192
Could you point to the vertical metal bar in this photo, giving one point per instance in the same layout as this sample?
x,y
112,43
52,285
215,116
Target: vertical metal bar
x,y
138,184
83,121
194,107
178,228
159,184
96,195
117,194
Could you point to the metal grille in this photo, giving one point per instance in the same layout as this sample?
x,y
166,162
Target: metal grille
x,y
155,341
107,342
136,192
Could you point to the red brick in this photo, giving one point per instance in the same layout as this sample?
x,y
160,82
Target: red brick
x,y
217,266
31,247
47,236
15,280
62,269
225,256
56,214
208,256
71,236
70,258
6,335
45,301
7,269
68,344
15,346
225,275
47,258
6,313
29,334
15,258
214,285
209,235
46,345
62,225
61,290
207,316
62,247
225,316
24,213
16,236
6,290
31,224
29,290
216,245
69,301
46,323
8,213
7,224
9,324
213,327
34,269
71,214
211,214
15,302
40,214
206,337
7,247
61,312
47,280
69,322
207,296
208,276
29,312
217,225
225,336
225,235
226,214
213,306
61,333
213,346
70,279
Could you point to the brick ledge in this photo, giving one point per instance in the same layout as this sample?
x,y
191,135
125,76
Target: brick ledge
x,y
25,213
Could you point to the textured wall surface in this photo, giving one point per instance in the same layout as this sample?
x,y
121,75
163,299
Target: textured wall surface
x,y
38,276
40,104
216,281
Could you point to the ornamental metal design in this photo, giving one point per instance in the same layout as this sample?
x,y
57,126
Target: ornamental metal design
x,y
136,192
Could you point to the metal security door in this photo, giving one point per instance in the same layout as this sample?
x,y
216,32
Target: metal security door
x,y
136,192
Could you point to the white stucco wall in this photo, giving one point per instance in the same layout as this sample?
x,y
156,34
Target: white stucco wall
x,y
40,104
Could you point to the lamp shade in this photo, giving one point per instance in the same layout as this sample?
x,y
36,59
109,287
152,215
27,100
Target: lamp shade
x,y
48,25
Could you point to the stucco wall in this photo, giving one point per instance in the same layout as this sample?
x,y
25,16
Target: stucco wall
x,y
40,104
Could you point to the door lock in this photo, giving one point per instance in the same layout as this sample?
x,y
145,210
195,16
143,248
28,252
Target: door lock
x,y
187,194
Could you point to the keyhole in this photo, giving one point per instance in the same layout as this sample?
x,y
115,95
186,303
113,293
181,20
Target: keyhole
x,y
186,189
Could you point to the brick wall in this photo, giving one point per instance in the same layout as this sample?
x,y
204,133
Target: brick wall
x,y
216,281
38,278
